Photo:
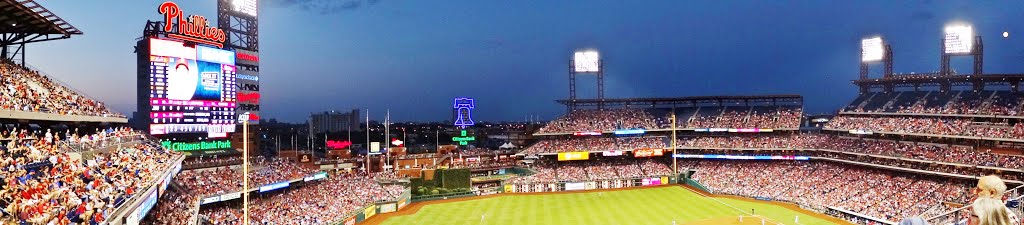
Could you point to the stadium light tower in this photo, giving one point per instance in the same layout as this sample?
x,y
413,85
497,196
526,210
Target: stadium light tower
x,y
959,40
873,50
586,61
244,119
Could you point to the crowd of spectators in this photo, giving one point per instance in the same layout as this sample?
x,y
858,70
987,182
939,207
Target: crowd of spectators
x,y
22,89
43,184
877,193
485,152
199,183
596,144
602,120
1001,103
491,162
210,161
547,171
175,207
922,151
928,125
319,202
223,180
782,118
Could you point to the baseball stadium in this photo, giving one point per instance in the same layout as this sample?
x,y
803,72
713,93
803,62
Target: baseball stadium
x,y
943,147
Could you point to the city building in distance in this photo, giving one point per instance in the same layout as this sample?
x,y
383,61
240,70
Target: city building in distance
x,y
333,121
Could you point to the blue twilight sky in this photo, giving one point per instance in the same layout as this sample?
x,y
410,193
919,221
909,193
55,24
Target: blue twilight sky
x,y
413,57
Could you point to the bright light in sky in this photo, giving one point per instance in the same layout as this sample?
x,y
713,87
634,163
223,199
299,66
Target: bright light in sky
x,y
959,39
871,49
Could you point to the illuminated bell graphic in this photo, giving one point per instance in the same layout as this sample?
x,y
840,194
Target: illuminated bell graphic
x,y
463,107
465,118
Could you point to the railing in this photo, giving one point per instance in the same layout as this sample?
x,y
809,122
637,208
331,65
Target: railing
x,y
194,220
122,213
959,214
874,156
856,217
212,163
936,135
84,146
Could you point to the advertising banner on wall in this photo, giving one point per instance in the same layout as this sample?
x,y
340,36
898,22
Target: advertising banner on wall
x,y
611,153
369,212
567,156
648,152
388,208
651,181
575,186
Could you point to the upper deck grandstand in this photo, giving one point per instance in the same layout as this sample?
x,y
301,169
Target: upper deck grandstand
x,y
28,94
782,112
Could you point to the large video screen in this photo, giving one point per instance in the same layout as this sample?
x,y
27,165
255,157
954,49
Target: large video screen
x,y
192,89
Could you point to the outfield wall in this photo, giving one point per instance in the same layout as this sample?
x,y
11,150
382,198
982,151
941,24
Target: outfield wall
x,y
377,208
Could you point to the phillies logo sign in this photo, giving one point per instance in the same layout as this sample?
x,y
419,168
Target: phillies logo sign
x,y
192,28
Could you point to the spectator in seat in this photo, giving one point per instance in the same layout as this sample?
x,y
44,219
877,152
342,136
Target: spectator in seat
x,y
913,221
988,211
991,187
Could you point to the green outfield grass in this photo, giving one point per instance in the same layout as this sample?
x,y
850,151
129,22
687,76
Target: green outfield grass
x,y
655,206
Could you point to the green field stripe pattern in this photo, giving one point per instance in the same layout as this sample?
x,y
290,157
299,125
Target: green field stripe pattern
x,y
654,206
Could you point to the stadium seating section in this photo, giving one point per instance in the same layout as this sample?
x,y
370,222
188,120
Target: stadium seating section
x,y
986,102
43,184
22,89
773,117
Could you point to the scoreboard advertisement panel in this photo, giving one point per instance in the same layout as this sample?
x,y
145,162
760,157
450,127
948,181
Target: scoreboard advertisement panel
x,y
192,89
248,84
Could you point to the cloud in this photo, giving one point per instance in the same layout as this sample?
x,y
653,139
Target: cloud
x,y
324,7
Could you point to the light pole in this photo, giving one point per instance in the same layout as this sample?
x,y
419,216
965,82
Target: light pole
x,y
675,167
244,118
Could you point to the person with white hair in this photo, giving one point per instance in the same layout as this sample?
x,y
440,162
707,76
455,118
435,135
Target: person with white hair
x,y
988,211
992,187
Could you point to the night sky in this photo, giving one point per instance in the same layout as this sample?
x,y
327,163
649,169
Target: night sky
x,y
413,57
